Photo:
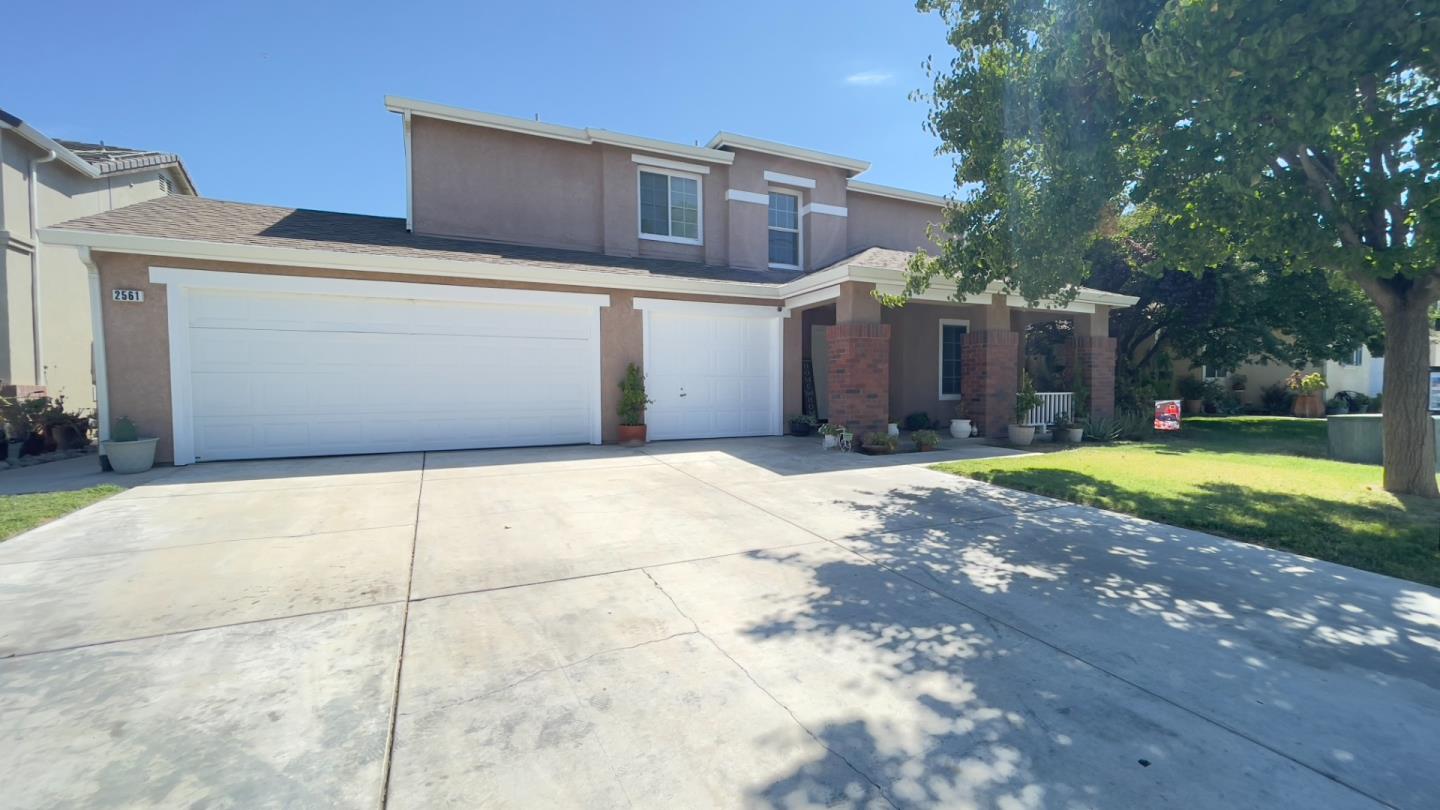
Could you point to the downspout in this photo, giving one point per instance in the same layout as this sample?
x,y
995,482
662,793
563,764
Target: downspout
x,y
409,188
35,318
98,360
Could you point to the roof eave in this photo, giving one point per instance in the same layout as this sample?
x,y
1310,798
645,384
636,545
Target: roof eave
x,y
735,141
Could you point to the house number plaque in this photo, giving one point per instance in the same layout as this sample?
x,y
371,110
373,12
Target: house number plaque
x,y
128,296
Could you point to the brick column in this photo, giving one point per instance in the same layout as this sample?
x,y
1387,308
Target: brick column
x,y
1095,363
859,375
989,378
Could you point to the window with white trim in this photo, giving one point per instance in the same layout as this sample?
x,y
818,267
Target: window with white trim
x,y
1214,373
784,230
1356,358
952,338
669,206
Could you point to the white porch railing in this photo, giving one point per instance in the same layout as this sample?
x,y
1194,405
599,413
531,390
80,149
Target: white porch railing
x,y
1052,404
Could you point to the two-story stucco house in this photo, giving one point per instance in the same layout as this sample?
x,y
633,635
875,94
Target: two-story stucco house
x,y
45,317
534,263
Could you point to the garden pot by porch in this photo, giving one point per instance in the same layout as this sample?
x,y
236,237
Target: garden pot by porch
x,y
829,440
893,429
876,449
960,428
1021,434
800,429
131,457
1070,435
632,434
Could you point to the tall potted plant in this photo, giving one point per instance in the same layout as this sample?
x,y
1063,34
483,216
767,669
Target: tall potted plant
x,y
1309,402
127,451
632,406
1192,393
960,426
1026,400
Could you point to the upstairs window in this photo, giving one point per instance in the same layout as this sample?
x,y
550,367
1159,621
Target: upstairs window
x,y
784,230
669,207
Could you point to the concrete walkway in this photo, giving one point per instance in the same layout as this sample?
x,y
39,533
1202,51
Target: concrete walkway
x,y
747,623
67,475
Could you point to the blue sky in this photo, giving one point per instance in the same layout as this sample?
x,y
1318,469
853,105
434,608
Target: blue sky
x,y
281,103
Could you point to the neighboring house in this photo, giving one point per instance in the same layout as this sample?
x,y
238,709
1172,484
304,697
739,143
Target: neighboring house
x,y
1362,372
534,263
45,318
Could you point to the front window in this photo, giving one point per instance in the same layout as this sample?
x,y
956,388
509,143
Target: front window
x,y
952,336
669,207
784,230
1356,358
1210,372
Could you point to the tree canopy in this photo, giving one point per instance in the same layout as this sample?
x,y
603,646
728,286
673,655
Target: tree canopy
x,y
1294,136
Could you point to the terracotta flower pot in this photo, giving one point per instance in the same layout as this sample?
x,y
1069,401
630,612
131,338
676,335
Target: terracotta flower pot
x,y
632,434
1308,406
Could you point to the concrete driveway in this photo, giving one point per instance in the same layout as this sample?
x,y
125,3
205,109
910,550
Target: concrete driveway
x,y
706,624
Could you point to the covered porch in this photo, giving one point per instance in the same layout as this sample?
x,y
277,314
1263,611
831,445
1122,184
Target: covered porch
x,y
851,361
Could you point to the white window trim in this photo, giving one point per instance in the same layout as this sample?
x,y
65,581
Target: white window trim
x,y
940,357
693,168
788,180
699,206
736,195
799,229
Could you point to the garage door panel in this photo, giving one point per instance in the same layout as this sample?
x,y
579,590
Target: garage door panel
x,y
277,375
711,374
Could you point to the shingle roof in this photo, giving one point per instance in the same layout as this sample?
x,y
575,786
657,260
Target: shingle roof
x,y
111,159
201,219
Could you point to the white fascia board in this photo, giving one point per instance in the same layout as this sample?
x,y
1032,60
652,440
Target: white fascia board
x,y
811,298
708,308
261,282
525,126
788,180
895,193
406,265
736,195
44,143
734,141
693,168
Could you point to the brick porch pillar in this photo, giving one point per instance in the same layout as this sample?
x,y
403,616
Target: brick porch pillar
x,y
859,375
989,378
1095,363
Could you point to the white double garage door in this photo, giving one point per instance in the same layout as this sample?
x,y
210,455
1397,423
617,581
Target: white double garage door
x,y
280,366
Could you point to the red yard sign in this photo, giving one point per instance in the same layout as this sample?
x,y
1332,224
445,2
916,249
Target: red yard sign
x,y
1167,414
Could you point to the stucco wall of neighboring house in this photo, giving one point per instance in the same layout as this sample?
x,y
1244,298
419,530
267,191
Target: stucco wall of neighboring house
x,y
876,221
915,357
64,280
137,335
1365,378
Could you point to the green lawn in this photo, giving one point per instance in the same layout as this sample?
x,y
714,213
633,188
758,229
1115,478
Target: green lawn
x,y
21,513
1260,479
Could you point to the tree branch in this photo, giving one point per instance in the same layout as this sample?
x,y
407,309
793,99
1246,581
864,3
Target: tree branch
x,y
1320,186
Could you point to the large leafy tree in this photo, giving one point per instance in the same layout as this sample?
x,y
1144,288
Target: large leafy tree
x,y
1303,134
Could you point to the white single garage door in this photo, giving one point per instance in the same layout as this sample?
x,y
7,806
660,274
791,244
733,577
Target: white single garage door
x,y
713,370
274,374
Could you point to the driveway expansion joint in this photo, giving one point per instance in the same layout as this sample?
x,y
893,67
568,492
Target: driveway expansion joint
x,y
796,720
400,653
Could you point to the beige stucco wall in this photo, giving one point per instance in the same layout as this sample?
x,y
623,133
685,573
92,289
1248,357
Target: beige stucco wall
x,y
137,334
64,280
915,356
876,221
1364,378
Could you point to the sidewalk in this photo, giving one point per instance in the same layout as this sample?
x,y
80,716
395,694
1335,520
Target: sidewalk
x,y
70,474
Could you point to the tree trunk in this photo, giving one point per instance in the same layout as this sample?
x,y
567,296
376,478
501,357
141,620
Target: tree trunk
x,y
1409,434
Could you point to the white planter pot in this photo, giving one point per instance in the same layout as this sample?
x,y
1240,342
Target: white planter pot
x,y
828,441
130,457
960,428
1070,435
1021,434
893,429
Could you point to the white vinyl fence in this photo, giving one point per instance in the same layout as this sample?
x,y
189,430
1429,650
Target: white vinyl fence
x,y
1052,404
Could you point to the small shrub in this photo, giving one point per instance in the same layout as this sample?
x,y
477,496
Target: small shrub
x,y
917,421
831,429
1026,400
1337,404
1123,426
879,439
925,439
1102,429
1375,404
1276,399
632,397
1190,388
124,431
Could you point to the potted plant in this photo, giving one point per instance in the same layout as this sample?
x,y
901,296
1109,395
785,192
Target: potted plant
x,y
879,444
802,424
1307,389
925,440
127,451
1026,400
960,427
1068,429
632,406
892,428
1192,393
830,435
